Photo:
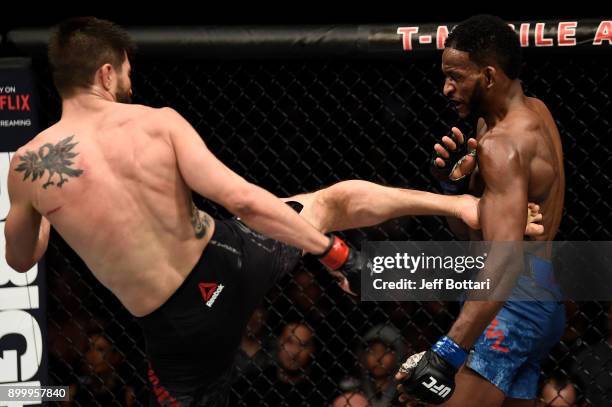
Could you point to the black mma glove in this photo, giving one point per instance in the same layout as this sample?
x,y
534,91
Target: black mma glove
x,y
338,256
455,158
431,374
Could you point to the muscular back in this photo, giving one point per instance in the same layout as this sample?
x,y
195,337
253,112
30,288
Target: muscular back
x,y
547,177
129,213
532,134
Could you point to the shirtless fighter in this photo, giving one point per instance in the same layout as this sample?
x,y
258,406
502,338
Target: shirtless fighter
x,y
519,159
115,181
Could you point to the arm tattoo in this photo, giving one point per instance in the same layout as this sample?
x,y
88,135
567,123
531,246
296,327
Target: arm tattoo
x,y
53,158
199,221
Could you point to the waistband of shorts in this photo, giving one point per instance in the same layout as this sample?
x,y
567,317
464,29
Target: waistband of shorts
x,y
540,273
221,230
541,270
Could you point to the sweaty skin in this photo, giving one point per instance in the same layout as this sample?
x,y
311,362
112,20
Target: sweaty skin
x,y
128,215
115,180
519,160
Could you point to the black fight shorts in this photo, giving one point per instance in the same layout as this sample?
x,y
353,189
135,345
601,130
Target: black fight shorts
x,y
192,338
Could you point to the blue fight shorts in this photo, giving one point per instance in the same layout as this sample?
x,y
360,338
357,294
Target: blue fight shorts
x,y
509,352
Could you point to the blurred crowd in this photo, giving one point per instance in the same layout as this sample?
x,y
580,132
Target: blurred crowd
x,y
307,345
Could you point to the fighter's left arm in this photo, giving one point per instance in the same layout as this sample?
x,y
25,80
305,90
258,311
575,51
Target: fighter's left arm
x,y
502,218
26,231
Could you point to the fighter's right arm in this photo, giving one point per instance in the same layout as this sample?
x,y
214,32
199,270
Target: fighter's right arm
x,y
444,161
257,208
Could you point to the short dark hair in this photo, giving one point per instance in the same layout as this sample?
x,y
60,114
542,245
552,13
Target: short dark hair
x,y
79,46
488,39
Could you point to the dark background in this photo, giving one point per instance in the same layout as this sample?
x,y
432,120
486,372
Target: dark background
x,y
292,126
234,13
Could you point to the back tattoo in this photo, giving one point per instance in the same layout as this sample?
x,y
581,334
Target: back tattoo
x,y
53,158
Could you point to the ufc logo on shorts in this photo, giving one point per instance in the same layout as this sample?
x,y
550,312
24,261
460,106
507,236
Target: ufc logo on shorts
x,y
440,390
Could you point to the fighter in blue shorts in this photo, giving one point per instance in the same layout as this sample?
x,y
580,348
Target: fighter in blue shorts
x,y
509,352
491,355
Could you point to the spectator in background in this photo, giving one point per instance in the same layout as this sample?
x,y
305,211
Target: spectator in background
x,y
380,360
307,296
67,339
593,368
351,399
293,381
558,391
101,382
253,357
295,351
577,324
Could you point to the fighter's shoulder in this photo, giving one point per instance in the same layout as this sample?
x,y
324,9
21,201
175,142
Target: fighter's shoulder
x,y
517,133
498,153
153,120
162,116
31,147
45,136
141,112
523,122
497,141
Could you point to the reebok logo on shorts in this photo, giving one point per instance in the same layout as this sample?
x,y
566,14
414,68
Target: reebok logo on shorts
x,y
210,292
